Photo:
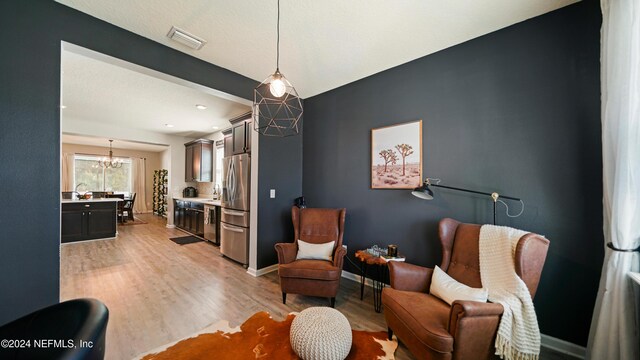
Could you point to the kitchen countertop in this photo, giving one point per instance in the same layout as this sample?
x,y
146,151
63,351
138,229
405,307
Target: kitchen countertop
x,y
67,201
206,201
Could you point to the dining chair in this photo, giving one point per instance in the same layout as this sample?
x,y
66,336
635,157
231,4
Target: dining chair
x,y
98,194
128,206
120,207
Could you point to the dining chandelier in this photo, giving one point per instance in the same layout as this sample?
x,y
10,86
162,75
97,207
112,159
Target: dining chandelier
x,y
110,162
277,108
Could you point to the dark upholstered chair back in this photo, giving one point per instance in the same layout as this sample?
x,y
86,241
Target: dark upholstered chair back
x,y
318,226
78,320
461,259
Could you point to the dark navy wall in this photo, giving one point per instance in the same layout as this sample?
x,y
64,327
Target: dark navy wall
x,y
280,168
516,111
30,136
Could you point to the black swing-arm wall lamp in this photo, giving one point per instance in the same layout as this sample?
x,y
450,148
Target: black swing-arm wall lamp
x,y
424,192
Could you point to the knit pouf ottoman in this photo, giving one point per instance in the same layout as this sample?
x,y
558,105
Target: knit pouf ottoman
x,y
321,333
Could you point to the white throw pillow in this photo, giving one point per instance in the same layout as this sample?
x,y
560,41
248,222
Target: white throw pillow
x,y
448,289
315,251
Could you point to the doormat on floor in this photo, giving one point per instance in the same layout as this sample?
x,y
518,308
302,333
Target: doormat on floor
x,y
184,240
265,338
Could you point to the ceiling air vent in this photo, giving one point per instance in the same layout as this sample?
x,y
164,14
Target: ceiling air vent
x,y
185,38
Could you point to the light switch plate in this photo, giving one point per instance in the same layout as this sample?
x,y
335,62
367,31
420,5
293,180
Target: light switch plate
x,y
272,193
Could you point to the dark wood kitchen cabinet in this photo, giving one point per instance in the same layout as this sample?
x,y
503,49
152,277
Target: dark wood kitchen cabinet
x,y
228,142
198,161
73,225
241,131
178,213
195,221
86,220
189,216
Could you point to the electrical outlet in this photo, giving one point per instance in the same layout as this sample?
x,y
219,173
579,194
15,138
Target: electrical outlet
x,y
272,193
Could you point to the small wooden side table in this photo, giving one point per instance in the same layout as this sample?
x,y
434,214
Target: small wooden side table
x,y
367,259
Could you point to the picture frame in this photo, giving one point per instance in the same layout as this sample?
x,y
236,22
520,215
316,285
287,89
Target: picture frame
x,y
396,156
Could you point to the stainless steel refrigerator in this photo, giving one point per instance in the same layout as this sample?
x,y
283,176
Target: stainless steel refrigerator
x,y
234,217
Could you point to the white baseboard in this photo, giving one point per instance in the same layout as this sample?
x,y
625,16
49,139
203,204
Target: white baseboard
x,y
564,347
549,342
251,271
170,226
356,278
86,241
263,271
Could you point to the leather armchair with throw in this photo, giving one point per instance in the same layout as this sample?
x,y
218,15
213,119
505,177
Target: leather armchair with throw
x,y
432,329
312,277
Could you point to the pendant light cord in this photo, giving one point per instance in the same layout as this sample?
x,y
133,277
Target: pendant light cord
x,y
278,41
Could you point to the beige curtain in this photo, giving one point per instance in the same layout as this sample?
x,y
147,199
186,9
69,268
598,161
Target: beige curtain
x,y
139,185
67,172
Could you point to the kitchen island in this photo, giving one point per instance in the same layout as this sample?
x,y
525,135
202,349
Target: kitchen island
x,y
89,219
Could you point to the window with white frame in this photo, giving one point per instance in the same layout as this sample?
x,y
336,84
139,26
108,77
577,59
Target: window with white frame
x,y
92,177
219,156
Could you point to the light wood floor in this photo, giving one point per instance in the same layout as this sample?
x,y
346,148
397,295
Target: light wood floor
x,y
158,292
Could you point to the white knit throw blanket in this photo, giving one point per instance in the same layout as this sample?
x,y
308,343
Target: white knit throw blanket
x,y
518,333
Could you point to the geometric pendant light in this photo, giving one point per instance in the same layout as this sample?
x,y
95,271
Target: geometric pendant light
x,y
277,108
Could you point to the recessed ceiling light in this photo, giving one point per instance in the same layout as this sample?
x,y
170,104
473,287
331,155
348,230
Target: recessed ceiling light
x,y
215,128
200,107
168,125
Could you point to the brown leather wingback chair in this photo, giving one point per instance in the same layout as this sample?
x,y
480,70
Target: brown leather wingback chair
x,y
432,329
312,277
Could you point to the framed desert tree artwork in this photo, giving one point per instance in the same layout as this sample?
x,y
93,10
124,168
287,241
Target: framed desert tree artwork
x,y
396,156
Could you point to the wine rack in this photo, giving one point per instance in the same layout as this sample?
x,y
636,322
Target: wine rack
x,y
160,184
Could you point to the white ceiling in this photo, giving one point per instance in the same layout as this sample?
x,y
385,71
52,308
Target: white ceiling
x,y
117,144
101,92
324,44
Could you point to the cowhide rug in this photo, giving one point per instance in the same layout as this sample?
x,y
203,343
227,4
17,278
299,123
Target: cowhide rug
x,y
261,337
